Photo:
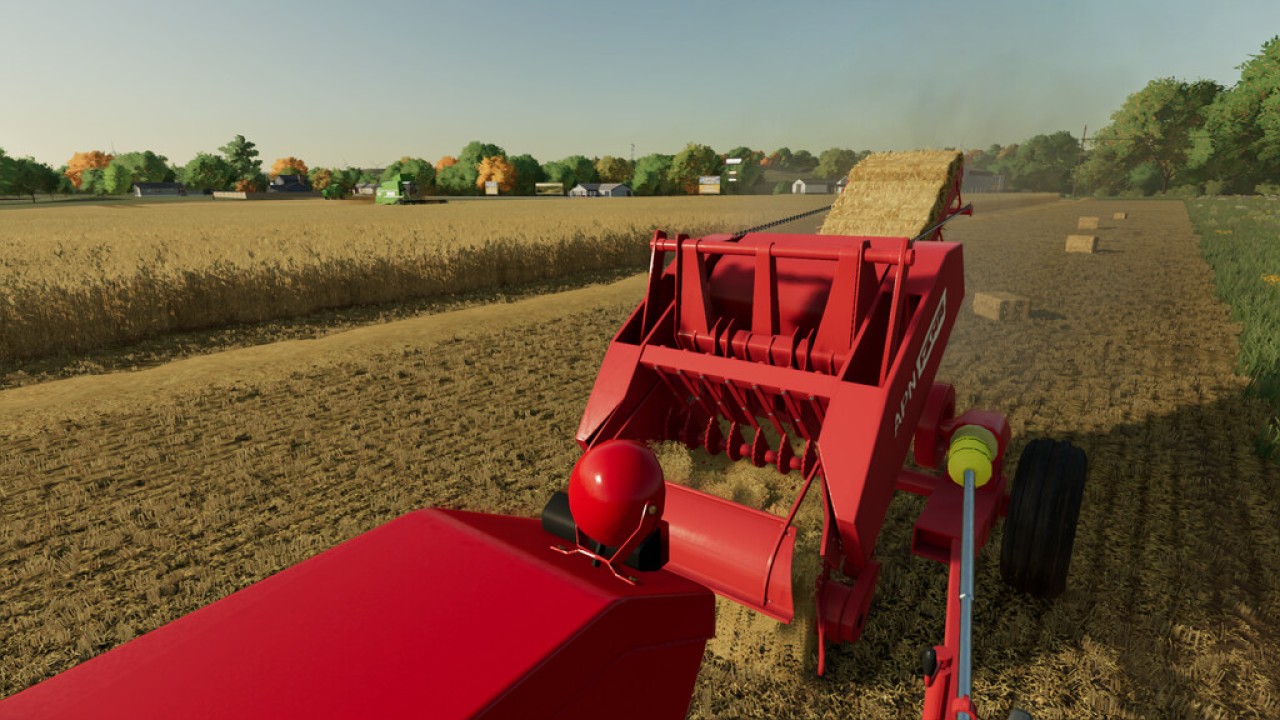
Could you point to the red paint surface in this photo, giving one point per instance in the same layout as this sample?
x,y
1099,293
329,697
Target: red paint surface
x,y
437,614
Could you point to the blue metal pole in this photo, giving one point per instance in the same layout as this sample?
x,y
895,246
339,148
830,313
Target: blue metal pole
x,y
964,674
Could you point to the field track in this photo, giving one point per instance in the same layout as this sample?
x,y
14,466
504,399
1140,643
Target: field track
x,y
133,498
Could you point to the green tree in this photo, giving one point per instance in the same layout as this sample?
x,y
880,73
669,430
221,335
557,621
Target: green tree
x,y
116,180
207,171
1045,163
347,179
1156,125
780,159
91,181
476,151
29,177
651,175
1243,125
423,172
802,161
460,178
835,163
7,169
582,169
242,155
457,179
557,172
528,174
693,161
614,169
65,186
746,174
144,166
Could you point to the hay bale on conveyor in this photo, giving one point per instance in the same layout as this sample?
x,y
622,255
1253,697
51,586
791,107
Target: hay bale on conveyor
x,y
895,194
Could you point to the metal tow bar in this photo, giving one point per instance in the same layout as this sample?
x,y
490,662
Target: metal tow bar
x,y
973,450
964,675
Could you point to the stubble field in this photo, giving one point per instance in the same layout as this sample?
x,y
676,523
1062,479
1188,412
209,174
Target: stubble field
x,y
131,499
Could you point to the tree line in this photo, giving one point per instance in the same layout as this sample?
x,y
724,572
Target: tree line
x,y
237,166
1170,136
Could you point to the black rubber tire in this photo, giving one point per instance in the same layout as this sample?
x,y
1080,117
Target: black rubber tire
x,y
1044,506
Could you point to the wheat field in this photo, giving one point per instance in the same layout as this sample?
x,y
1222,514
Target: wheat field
x,y
74,279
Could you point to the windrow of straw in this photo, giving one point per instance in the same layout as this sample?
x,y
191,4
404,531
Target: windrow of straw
x,y
894,194
81,279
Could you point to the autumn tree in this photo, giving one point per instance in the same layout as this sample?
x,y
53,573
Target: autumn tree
x,y
288,166
320,178
780,159
528,173
81,161
445,162
254,183
614,169
692,162
496,169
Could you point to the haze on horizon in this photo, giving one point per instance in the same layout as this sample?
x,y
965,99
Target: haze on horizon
x,y
340,84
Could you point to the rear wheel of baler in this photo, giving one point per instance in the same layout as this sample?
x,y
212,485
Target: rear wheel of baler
x,y
1044,506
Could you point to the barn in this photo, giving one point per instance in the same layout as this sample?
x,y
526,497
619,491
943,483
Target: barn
x,y
289,183
811,186
150,189
982,181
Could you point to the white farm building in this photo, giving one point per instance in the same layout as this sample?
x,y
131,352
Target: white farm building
x,y
811,186
600,190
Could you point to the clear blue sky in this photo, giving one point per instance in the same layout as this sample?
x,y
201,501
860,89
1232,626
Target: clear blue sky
x,y
339,83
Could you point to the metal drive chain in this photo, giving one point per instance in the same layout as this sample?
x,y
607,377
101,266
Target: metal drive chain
x,y
738,236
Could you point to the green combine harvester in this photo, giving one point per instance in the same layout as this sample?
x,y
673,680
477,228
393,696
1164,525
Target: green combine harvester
x,y
402,191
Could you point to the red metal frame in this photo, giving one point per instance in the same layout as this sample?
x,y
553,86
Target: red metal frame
x,y
439,614
741,345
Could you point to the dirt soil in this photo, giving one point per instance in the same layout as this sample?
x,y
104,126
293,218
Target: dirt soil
x,y
133,498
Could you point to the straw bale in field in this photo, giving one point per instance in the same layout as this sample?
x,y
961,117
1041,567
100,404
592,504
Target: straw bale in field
x,y
1087,223
1120,216
1001,306
894,194
1082,243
